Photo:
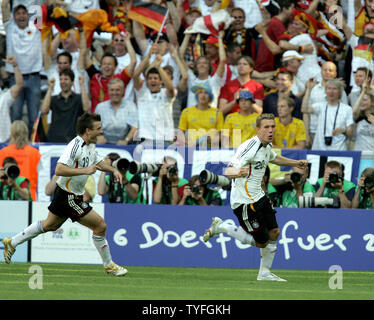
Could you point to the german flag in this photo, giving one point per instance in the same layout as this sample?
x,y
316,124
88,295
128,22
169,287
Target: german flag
x,y
150,14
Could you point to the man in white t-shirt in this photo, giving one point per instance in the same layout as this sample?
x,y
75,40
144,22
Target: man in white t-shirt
x,y
155,103
318,94
78,161
335,119
23,40
254,210
7,98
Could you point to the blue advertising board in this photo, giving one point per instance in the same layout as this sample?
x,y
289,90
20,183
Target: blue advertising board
x,y
162,235
14,217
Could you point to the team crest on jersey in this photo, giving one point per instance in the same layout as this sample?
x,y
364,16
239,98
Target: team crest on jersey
x,y
255,224
211,120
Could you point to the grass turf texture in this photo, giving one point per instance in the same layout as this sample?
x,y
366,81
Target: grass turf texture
x,y
86,282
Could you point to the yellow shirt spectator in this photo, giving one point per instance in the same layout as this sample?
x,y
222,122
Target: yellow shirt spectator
x,y
239,127
287,136
196,122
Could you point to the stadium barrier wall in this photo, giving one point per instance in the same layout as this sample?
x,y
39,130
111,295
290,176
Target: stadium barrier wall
x,y
14,216
161,235
313,239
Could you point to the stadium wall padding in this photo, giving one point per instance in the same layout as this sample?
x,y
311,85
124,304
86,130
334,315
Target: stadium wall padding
x,y
162,235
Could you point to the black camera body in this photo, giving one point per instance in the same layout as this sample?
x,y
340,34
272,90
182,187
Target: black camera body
x,y
295,177
369,182
195,189
328,141
11,172
172,170
334,177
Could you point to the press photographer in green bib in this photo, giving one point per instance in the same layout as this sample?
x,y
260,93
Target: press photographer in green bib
x,y
12,185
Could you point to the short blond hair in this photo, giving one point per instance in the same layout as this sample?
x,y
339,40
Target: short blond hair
x,y
264,116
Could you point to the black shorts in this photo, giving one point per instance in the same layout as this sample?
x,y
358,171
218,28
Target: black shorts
x,y
257,218
66,204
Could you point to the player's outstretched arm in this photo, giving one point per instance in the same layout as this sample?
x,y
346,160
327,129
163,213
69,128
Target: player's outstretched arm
x,y
283,161
66,171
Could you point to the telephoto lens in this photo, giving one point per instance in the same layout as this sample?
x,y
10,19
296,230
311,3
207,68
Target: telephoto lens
x,y
121,164
208,177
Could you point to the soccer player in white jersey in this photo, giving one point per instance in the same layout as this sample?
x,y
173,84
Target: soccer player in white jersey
x,y
78,161
254,210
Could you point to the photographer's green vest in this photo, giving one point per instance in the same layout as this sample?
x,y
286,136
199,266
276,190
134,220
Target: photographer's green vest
x,y
333,192
119,194
289,197
364,200
7,193
273,195
167,193
209,196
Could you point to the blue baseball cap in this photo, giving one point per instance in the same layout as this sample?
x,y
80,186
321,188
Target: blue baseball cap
x,y
245,94
203,86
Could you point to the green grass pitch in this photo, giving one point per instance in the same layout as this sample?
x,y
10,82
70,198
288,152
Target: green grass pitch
x,y
86,282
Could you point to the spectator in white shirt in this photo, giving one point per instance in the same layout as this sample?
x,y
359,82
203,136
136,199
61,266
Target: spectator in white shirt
x,y
155,103
23,40
335,119
318,94
7,97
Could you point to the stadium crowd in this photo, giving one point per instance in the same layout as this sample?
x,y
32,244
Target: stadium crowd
x,y
199,77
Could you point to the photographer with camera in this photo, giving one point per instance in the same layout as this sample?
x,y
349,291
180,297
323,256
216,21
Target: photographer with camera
x,y
269,189
198,194
131,189
12,185
333,184
364,195
168,187
296,185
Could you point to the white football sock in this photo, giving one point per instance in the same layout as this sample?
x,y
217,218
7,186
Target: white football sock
x,y
237,233
103,248
29,233
267,256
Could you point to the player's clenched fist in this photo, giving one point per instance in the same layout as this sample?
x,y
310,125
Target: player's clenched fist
x,y
243,172
302,164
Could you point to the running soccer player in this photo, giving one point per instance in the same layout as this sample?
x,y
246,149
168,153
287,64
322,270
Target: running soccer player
x,y
78,161
254,210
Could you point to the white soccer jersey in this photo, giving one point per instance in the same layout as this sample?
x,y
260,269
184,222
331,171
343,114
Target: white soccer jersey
x,y
77,154
253,154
